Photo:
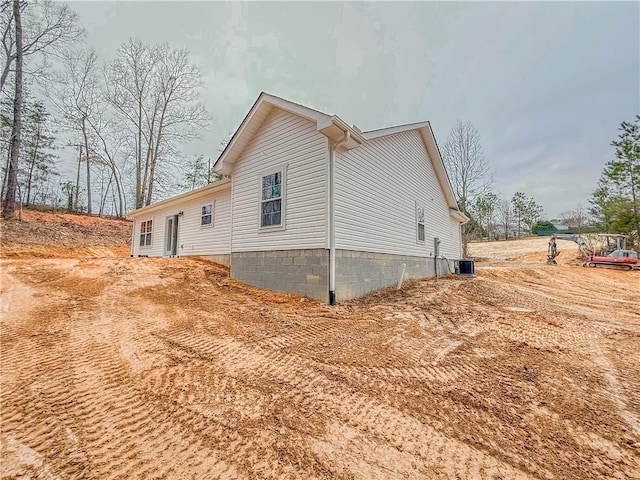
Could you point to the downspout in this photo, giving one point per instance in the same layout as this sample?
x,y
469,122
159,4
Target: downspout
x,y
332,224
133,237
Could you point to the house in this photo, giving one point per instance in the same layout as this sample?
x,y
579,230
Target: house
x,y
312,206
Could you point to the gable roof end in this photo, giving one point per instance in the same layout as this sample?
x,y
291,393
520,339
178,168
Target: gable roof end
x,y
331,126
334,128
436,159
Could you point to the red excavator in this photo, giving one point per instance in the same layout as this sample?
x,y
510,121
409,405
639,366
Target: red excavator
x,y
623,259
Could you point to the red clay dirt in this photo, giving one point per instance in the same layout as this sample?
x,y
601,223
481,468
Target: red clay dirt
x,y
122,367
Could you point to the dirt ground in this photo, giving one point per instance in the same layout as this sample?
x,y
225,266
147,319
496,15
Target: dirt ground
x,y
115,367
48,235
532,249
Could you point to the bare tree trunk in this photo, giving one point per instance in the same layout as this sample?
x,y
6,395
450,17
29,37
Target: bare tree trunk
x,y
152,171
5,176
29,177
146,183
5,72
154,159
139,193
75,200
145,176
6,44
9,201
103,200
120,195
34,158
111,163
86,149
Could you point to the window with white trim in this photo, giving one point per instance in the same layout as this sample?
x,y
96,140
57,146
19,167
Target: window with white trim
x,y
206,217
420,223
272,200
145,233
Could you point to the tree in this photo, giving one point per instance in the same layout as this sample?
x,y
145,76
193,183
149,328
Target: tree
x,y
462,153
469,174
111,143
602,205
38,145
625,171
199,173
484,211
526,211
543,226
156,90
47,27
575,219
77,96
9,200
519,202
615,203
505,216
68,188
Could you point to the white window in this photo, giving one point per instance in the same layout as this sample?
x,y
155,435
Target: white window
x,y
206,218
272,200
420,223
145,233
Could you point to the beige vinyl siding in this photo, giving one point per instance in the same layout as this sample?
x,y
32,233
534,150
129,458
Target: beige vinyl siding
x,y
294,143
157,238
195,239
377,187
192,238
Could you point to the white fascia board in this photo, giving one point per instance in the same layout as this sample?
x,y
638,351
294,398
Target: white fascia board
x,y
381,132
226,153
438,165
297,109
199,192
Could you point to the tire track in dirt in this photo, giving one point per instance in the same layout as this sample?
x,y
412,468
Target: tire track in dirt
x,y
460,415
110,417
200,377
313,391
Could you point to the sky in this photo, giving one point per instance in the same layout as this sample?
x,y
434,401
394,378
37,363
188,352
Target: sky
x,y
546,84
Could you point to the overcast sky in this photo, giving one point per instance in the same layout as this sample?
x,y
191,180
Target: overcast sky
x,y
546,84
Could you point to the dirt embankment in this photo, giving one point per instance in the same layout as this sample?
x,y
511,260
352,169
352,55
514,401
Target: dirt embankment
x,y
50,235
167,368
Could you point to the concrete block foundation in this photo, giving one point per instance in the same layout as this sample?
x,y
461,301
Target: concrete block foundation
x,y
221,259
306,272
358,273
301,272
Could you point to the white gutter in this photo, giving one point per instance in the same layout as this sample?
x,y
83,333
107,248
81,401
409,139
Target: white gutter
x,y
458,215
193,194
332,218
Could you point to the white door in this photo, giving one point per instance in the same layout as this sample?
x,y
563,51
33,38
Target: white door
x,y
171,236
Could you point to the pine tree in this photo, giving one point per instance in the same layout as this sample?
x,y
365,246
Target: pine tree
x,y
616,201
625,171
38,144
199,173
